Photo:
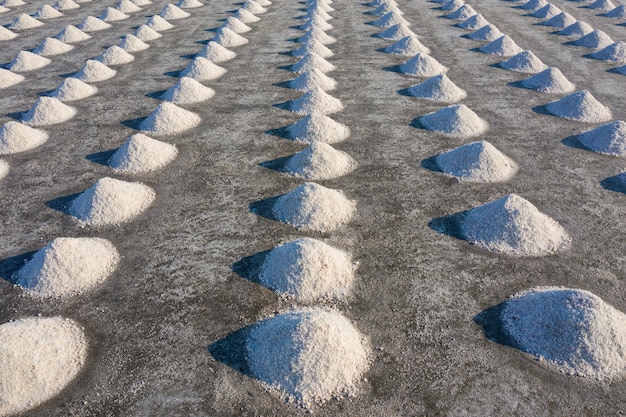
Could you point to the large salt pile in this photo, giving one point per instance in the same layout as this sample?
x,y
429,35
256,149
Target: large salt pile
x,y
4,169
604,5
312,60
172,12
312,46
609,139
317,127
147,34
617,13
546,12
24,21
27,61
486,33
525,62
169,119
112,15
314,208
141,154
422,65
615,52
307,270
253,7
51,47
93,24
396,32
39,357
580,106
320,161
16,137
312,78
71,34
579,28
311,355
48,111
571,330
477,162
503,46
65,5
189,4
438,88
187,91
127,6
47,12
72,89
228,38
236,25
561,20
6,34
550,80
8,78
513,226
158,24
217,53
533,5
387,20
114,55
315,100
596,39
245,16
202,69
462,13
94,71
473,22
407,46
131,43
456,121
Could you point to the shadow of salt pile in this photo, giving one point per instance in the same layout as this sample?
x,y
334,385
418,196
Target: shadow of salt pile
x,y
250,267
231,350
616,183
451,224
265,208
10,266
62,204
494,329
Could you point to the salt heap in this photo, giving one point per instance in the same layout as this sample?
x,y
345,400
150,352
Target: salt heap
x,y
4,9
68,266
604,5
112,15
216,53
318,22
158,24
4,169
16,137
51,47
312,78
396,32
169,119
452,5
580,106
455,121
12,3
438,88
201,69
561,20
40,357
228,38
546,12
617,13
615,52
110,201
503,46
253,7
385,8
462,13
6,34
608,139
322,14
65,5
236,25
127,6
131,43
312,60
171,12
48,111
422,65
317,127
533,5
387,20
72,89
315,101
579,28
141,154
319,162
189,4
147,34
525,62
318,35
142,3
8,78
513,226
571,330
596,39
47,12
314,208
408,46
94,71
93,24
187,91
550,80
311,355
114,55
477,162
71,34
474,22
24,21
486,33
307,270
313,46
245,16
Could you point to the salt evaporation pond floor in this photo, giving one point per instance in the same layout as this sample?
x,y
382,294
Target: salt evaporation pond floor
x,y
417,292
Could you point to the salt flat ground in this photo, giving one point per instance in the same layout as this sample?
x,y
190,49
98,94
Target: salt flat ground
x,y
417,293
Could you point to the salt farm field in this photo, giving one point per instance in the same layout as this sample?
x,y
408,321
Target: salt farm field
x,y
165,331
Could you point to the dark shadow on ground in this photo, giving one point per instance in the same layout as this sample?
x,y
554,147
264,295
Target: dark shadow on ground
x,y
281,132
134,123
101,158
250,267
10,266
156,94
573,142
265,208
278,165
286,105
449,225
18,115
616,183
62,204
431,164
394,68
542,110
231,350
493,328
175,74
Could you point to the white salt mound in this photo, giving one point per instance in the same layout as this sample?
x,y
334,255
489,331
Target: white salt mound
x,y
147,34
169,119
127,6
462,13
229,39
546,12
68,266
474,22
47,12
310,61
94,71
17,137
601,5
236,25
12,3
533,5
525,62
316,100
110,201
48,111
24,21
422,65
313,78
313,46
189,4
245,16
312,207
216,53
596,39
112,15
201,69
615,52
318,35
385,8
141,154
396,32
319,162
27,61
317,127
486,33
6,34
608,139
387,20
8,78
580,106
39,356
561,20
452,5
4,169
187,91
579,28
172,12
589,340
455,121
438,88
319,23
51,47
131,43
72,89
93,24
66,5
307,270
550,80
142,3
71,34
253,7
407,46
114,55
617,13
158,24
477,162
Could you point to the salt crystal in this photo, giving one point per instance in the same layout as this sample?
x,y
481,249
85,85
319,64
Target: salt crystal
x,y
315,101
310,61
189,4
615,52
131,43
503,46
253,7
438,88
147,34
8,78
313,46
474,22
71,34
158,24
601,5
114,55
408,46
172,12
561,20
596,39
617,13
228,39
217,53
245,16
609,139
487,33
533,5
127,6
24,21
396,32
47,12
388,20
236,25
313,78
462,13
93,24
66,5
112,15
546,12
6,34
579,28
422,65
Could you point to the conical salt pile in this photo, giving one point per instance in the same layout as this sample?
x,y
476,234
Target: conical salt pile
x,y
66,5
72,89
385,8
47,12
546,12
24,21
131,43
311,355
217,53
576,29
8,78
396,32
158,24
438,88
71,34
246,17
422,65
68,266
313,78
550,80
310,61
141,154
533,5
110,202
477,162
580,106
189,4
187,91
525,62
6,34
387,20
112,15
317,127
313,46
609,139
315,101
51,47
114,55
456,121
615,52
253,7
320,161
127,6
503,46
48,111
604,5
12,3
319,23
474,22
169,119
93,24
487,33
147,34
513,226
27,61
17,137
408,46
171,12
94,71
596,39
267,3
617,13
452,5
561,20
201,69
4,169
228,38
462,13
142,3
314,208
317,35
236,25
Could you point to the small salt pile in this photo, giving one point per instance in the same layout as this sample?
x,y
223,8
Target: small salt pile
x,y
580,106
65,5
561,20
474,22
312,207
131,43
141,154
486,33
617,13
236,25
317,127
422,65
503,46
40,357
385,8
112,15
27,61
615,52
462,13
596,40
114,55
94,71
229,39
318,35
171,12
608,139
127,6
533,5
396,32
169,119
477,162
525,62
51,47
6,34
312,78
24,21
387,20
189,4
48,111
246,17
71,34
320,13
438,88
452,5
604,5
408,46
68,266
12,3
311,355
158,24
72,89
142,3
147,34
110,202
216,53
319,23
313,46
47,12
4,169
315,101
253,7
319,162
16,137
551,81
455,121
187,91
8,78
310,61
93,24
546,12
201,69
307,270
579,28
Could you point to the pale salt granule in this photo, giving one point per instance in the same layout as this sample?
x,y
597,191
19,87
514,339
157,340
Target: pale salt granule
x,y
312,46
456,120
580,106
315,100
51,47
546,12
24,21
229,39
93,24
615,53
141,154
187,91
8,78
66,5
112,15
127,6
310,61
146,34
477,162
596,40
487,33
550,80
438,88
579,28
396,32
172,12
473,22
169,119
245,16
312,78
17,137
131,43
217,53
608,139
503,46
158,24
236,25
71,34
422,65
48,111
319,162
72,89
114,55
4,169
6,34
189,4
317,127
94,71
388,20
47,12
27,61
201,69
525,62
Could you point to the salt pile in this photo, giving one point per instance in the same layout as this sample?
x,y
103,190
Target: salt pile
x,y
114,55
474,22
318,35
8,78
27,61
141,154
601,5
216,53
312,78
93,24
596,39
71,34
387,20
158,24
47,12
486,33
48,111
169,119
617,13
126,6
477,162
455,121
312,60
228,38
533,5
609,139
12,3
322,14
503,46
571,330
580,106
147,34
307,270
452,5
236,25
462,13
16,137
396,32
408,46
550,80
142,3
422,65
4,9
187,91
201,69
615,52
112,15
546,12
40,357
315,101
313,46
385,8
66,5
51,47
24,21
320,161
576,29
438,88
6,34
189,4
131,43
314,208
253,7
72,89
4,169
171,12
525,62
561,20
94,71
311,355
317,127
110,201
245,16
511,225
318,22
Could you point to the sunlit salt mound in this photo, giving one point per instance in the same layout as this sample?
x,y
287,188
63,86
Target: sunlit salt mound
x,y
47,12
158,24
169,119
617,13
386,7
187,91
307,270
73,89
93,24
8,78
4,169
423,65
201,69
68,266
127,6
189,4
16,137
12,3
317,127
236,25
503,46
525,62
94,71
561,20
396,32
48,111
66,5
71,34
609,139
513,226
171,12
311,355
318,22
615,52
6,34
312,78
571,330
131,43
407,46
253,7
320,161
550,80
229,39
318,35
142,3
576,29
387,20
141,154
51,47
314,208
546,12
452,5
596,39
457,120
27,61
486,33
438,88
312,46
245,16
147,34
217,53
580,106
310,61
473,22
40,357
477,162
533,5
112,15
114,55
462,13
601,5
24,21
315,100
